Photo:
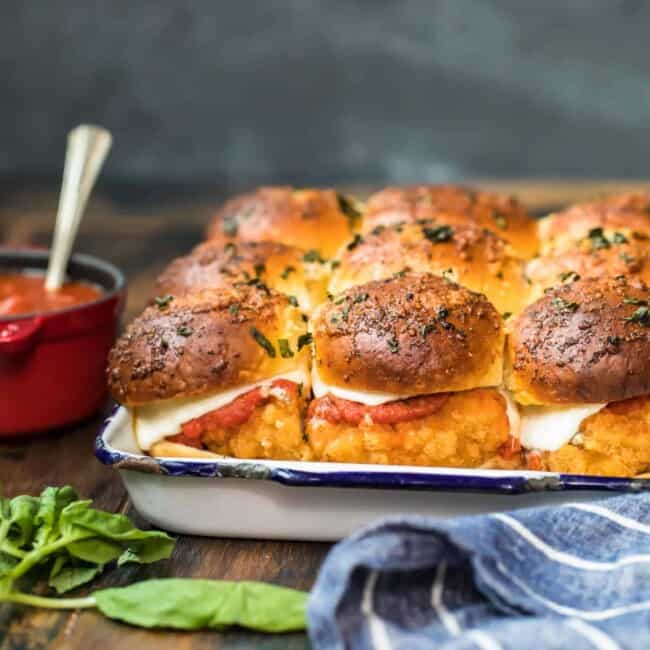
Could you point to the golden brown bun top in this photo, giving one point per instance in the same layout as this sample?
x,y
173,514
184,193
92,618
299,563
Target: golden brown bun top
x,y
503,215
213,265
586,341
410,334
319,220
630,258
205,342
628,214
465,253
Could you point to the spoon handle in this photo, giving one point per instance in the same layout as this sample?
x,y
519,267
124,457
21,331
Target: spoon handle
x,y
87,149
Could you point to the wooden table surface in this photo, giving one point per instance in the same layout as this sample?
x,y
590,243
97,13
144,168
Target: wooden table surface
x,y
140,230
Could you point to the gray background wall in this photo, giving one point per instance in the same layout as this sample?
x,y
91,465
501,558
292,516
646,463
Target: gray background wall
x,y
210,91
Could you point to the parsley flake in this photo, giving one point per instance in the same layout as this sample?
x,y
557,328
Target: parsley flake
x,y
448,275
500,219
571,276
162,302
304,339
641,316
438,234
598,239
634,301
313,256
285,349
358,239
563,305
229,227
287,271
262,341
349,208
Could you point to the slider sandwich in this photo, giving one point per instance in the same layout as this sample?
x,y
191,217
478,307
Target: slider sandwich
x,y
317,221
406,371
452,204
467,254
213,265
604,221
595,256
216,372
579,366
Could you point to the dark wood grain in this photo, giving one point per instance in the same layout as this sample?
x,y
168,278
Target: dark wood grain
x,y
140,230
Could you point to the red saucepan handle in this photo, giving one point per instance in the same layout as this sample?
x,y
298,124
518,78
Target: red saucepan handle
x,y
19,335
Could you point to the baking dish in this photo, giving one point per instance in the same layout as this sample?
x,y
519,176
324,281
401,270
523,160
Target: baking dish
x,y
319,501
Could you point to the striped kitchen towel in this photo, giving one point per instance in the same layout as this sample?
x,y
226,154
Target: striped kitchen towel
x,y
575,576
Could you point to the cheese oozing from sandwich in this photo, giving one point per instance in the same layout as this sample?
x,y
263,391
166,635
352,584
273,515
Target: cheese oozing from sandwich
x,y
547,428
375,398
158,420
514,418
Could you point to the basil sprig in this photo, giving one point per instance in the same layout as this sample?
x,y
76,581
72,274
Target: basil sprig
x,y
63,534
187,604
62,537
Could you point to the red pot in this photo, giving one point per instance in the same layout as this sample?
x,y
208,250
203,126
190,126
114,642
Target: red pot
x,y
52,365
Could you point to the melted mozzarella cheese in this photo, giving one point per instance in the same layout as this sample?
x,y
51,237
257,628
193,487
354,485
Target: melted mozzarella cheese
x,y
548,428
514,418
367,397
153,422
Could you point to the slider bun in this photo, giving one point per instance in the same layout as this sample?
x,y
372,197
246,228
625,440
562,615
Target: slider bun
x,y
214,265
625,213
502,215
309,219
631,259
577,345
201,343
166,449
470,255
406,335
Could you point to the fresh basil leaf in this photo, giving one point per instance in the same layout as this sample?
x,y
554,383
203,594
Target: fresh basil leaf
x,y
71,576
59,562
187,604
22,511
95,550
78,521
52,501
7,564
5,584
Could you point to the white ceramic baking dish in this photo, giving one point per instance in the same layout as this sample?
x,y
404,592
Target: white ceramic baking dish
x,y
319,501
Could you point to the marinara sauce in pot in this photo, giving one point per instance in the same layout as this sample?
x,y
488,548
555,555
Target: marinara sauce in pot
x,y
26,294
53,346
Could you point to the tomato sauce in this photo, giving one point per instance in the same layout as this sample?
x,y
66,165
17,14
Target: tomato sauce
x,y
336,410
235,414
510,449
26,294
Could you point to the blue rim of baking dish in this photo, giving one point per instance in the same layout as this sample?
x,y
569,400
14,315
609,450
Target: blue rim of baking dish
x,y
438,479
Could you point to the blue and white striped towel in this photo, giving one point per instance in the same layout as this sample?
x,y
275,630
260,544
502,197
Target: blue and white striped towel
x,y
575,576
